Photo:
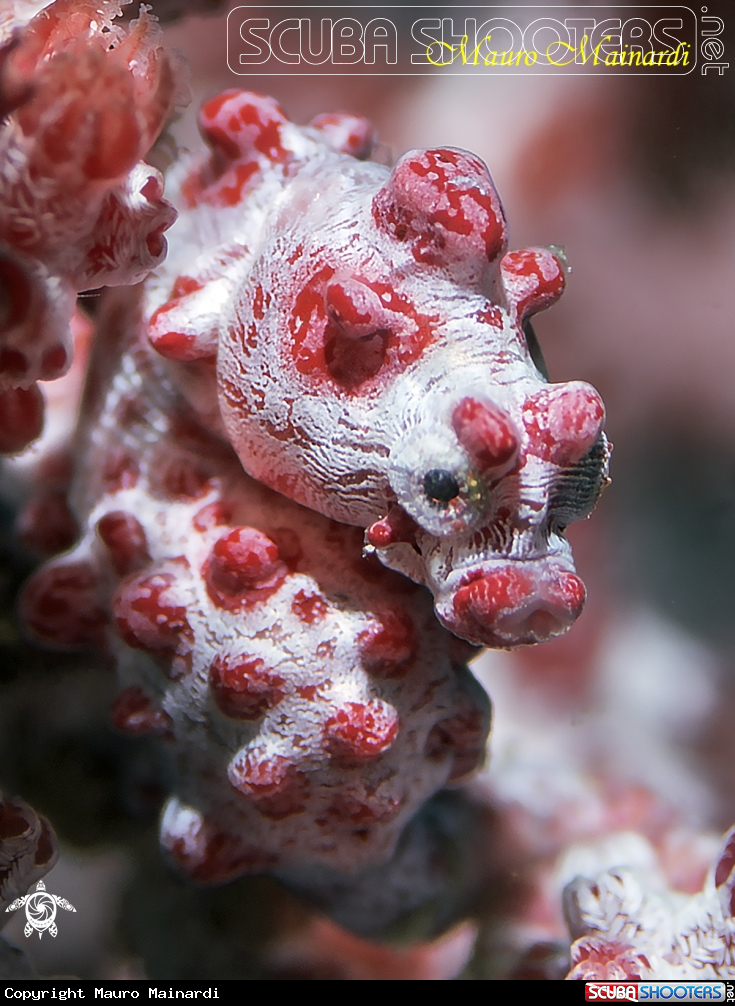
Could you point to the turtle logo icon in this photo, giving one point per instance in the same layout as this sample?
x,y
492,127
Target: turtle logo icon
x,y
41,910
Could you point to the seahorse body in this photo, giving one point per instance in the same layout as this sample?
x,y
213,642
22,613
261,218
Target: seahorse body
x,y
371,360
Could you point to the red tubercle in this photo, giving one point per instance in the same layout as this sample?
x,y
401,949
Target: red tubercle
x,y
533,279
173,345
396,526
237,122
243,686
388,647
61,605
361,731
126,542
563,422
21,418
243,568
135,713
443,202
275,785
486,432
149,617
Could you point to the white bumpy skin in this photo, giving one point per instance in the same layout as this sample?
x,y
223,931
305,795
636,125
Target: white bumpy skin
x,y
310,701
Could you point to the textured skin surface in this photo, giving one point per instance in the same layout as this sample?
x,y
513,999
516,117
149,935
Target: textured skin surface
x,y
359,337
371,360
628,925
79,209
309,698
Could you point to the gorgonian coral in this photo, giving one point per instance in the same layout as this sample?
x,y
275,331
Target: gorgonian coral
x,y
327,399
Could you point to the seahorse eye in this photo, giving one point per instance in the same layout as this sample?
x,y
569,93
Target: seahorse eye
x,y
440,485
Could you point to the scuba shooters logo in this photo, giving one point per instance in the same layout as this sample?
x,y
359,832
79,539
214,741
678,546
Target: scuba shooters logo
x,y
475,40
41,909
659,991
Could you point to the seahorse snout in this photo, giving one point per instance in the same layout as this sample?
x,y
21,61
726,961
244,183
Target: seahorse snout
x,y
516,604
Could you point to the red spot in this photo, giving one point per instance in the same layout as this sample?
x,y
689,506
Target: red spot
x,y
274,784
212,515
533,279
309,608
243,687
261,301
486,432
21,418
361,731
563,422
150,618
60,605
389,645
133,712
232,187
183,286
307,322
120,471
244,567
491,316
126,542
46,525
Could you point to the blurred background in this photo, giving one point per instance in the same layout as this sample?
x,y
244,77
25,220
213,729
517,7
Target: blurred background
x,y
625,723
